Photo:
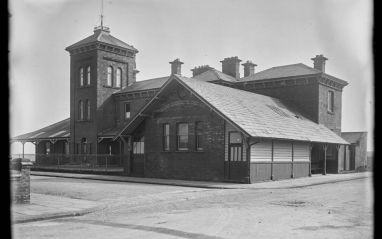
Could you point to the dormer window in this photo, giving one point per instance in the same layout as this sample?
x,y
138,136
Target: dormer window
x,y
88,75
81,76
118,79
109,76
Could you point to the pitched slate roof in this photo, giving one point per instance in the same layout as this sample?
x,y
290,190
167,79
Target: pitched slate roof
x,y
145,85
255,115
104,37
298,69
60,129
214,75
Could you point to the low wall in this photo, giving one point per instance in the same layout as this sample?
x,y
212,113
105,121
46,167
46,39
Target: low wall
x,y
262,171
20,186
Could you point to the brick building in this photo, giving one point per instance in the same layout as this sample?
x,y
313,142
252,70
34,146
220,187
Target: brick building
x,y
279,123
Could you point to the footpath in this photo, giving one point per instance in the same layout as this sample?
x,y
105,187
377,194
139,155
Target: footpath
x,y
315,179
44,207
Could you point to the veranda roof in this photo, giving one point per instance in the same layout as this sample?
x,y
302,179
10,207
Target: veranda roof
x,y
59,130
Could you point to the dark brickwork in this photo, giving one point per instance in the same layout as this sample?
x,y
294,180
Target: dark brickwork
x,y
204,165
308,96
103,107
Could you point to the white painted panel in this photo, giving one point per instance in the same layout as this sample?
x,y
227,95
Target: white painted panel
x,y
261,151
300,151
282,151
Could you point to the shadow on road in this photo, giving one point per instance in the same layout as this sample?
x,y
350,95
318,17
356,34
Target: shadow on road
x,y
161,230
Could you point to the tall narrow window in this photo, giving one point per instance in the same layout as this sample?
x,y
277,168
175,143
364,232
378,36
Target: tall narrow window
x,y
166,137
118,78
88,109
109,76
182,136
330,101
66,148
81,110
84,145
127,111
47,147
199,136
81,76
88,75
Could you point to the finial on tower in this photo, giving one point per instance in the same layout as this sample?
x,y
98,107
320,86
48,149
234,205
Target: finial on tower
x,y
101,13
101,27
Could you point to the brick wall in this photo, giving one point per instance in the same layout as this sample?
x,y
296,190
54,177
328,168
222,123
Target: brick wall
x,y
20,185
304,97
330,120
197,165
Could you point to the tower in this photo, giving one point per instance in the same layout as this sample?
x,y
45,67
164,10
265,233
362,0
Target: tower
x,y
99,66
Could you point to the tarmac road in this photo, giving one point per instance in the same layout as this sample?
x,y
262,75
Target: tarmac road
x,y
335,210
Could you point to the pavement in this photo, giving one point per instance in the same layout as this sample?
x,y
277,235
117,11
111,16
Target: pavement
x,y
44,207
315,179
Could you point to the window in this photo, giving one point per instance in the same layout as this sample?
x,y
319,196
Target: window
x,y
330,101
81,110
166,137
88,109
81,76
47,147
88,75
118,78
127,111
139,146
182,136
66,148
235,138
199,136
109,76
235,146
84,145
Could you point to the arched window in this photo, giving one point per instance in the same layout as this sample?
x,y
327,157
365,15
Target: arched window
x,y
109,75
88,75
84,143
81,110
118,78
88,109
81,76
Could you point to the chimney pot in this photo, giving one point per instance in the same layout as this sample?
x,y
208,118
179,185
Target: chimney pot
x,y
319,62
176,66
200,69
249,68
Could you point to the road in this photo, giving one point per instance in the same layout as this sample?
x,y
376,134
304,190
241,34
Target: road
x,y
336,210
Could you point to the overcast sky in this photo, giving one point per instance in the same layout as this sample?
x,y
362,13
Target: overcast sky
x,y
267,32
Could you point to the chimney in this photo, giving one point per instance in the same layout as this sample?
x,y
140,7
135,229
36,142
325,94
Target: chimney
x,y
249,68
176,66
231,66
200,69
319,62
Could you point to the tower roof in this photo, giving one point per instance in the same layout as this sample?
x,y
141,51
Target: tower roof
x,y
102,34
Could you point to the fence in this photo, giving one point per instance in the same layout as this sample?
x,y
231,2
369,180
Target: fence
x,y
89,162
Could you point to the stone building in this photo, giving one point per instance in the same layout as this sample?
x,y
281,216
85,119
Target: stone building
x,y
283,122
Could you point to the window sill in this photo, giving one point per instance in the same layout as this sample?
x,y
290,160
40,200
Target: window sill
x,y
330,112
112,87
89,121
84,86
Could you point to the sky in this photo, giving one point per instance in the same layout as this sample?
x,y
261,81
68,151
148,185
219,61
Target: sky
x,y
199,32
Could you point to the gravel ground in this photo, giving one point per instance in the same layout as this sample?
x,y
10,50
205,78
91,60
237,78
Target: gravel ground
x,y
337,210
